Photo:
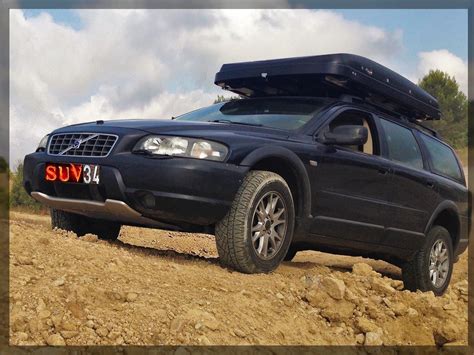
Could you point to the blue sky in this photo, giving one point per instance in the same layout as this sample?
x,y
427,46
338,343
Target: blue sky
x,y
62,16
424,30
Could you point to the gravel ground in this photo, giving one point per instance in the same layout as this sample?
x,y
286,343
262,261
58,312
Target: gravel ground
x,y
158,287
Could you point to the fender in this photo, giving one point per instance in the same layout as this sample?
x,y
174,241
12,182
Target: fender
x,y
304,186
445,205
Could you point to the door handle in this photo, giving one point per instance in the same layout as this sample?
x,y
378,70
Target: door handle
x,y
430,183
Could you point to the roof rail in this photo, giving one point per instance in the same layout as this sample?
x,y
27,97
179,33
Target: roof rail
x,y
431,130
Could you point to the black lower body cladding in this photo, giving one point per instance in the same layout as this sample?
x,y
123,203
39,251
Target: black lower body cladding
x,y
185,193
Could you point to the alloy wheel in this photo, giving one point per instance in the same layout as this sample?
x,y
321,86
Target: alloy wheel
x,y
439,263
269,224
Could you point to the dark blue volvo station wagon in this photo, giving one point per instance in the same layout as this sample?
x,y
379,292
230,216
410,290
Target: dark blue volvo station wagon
x,y
326,153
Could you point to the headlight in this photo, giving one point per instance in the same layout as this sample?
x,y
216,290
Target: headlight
x,y
42,144
182,146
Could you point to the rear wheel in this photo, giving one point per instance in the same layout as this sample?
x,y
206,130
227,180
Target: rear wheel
x,y
432,266
255,234
82,225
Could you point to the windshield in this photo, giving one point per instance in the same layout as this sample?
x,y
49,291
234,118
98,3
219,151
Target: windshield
x,y
281,113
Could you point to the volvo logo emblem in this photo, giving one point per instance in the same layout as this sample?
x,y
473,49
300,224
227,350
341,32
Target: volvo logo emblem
x,y
76,144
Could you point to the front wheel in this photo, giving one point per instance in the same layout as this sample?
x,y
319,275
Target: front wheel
x,y
256,233
82,225
432,266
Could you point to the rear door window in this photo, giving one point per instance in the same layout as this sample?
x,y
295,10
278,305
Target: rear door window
x,y
443,160
402,145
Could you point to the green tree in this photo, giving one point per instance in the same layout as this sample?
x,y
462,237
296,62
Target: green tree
x,y
18,195
453,104
222,98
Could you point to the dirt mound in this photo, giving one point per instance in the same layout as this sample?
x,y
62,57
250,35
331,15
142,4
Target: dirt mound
x,y
156,287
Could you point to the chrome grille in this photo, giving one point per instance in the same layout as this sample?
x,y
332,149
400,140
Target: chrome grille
x,y
82,144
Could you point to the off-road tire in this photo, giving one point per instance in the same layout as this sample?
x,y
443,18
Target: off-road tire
x,y
82,225
415,273
233,236
67,221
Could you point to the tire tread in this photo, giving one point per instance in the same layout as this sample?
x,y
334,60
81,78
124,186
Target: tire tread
x,y
231,246
413,272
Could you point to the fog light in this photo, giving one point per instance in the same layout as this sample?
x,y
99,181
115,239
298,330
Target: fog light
x,y
147,199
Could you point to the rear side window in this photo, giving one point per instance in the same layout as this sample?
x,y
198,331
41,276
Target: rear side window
x,y
402,145
442,158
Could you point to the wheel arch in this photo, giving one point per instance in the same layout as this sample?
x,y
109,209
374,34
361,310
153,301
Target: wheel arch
x,y
447,215
287,164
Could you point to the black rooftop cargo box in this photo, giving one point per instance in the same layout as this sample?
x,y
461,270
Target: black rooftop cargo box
x,y
330,75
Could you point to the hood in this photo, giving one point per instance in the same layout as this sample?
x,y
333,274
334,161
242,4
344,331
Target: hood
x,y
179,128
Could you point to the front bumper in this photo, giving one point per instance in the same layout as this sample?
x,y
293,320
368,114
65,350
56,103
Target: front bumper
x,y
109,209
181,192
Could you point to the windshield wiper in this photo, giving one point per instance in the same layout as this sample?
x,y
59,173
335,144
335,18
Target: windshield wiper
x,y
234,122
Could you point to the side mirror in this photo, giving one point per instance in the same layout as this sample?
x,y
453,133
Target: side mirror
x,y
346,135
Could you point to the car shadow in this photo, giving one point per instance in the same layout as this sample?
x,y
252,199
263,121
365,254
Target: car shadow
x,y
169,253
389,271
300,265
309,265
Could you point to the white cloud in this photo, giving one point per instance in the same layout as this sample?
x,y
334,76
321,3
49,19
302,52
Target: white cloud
x,y
446,61
161,106
156,63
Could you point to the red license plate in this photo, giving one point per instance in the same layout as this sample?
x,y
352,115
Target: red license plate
x,y
77,173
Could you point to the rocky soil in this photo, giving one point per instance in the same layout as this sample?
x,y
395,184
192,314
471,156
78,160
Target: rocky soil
x,y
157,287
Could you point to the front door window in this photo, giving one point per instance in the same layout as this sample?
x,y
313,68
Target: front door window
x,y
359,119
